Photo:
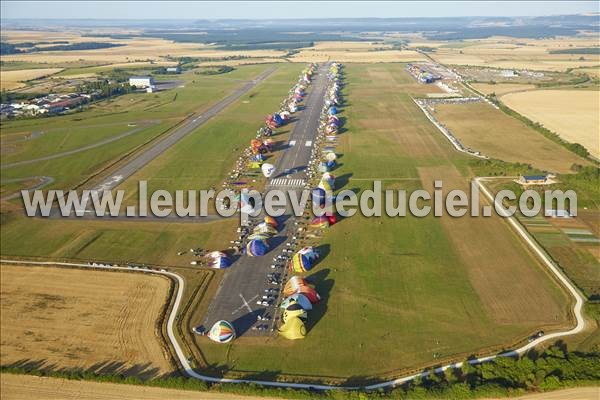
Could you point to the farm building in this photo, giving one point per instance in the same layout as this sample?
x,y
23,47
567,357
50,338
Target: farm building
x,y
141,81
533,179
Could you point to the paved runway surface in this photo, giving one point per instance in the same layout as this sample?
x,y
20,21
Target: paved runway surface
x,y
245,281
187,127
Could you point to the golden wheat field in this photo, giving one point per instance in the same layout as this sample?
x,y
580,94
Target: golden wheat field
x,y
501,88
573,114
70,318
10,80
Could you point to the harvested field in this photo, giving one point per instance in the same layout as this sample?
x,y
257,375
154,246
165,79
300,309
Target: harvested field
x,y
25,387
501,88
573,114
495,134
10,80
105,322
360,55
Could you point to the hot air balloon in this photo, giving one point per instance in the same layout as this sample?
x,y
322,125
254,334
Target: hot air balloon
x,y
245,204
331,156
297,284
222,332
320,222
271,221
303,260
264,228
332,110
218,260
293,310
257,248
268,170
293,329
259,236
298,298
327,182
319,196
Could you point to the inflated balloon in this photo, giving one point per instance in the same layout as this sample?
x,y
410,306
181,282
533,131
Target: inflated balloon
x,y
268,170
222,332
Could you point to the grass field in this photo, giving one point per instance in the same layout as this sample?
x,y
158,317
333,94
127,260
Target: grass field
x,y
497,135
94,320
573,114
420,293
27,139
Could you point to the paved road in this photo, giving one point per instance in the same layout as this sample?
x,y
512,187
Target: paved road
x,y
245,282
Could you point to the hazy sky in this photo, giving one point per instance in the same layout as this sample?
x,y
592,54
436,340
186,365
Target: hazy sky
x,y
284,9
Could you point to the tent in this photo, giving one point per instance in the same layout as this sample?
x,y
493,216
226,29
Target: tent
x,y
257,248
293,329
222,332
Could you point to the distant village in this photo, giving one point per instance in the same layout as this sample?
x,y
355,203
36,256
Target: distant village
x,y
54,104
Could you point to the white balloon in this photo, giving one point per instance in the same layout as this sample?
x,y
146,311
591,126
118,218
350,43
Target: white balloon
x,y
268,170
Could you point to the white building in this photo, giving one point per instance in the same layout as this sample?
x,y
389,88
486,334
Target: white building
x,y
141,81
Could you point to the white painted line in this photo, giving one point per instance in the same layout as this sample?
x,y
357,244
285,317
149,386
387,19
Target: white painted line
x,y
308,143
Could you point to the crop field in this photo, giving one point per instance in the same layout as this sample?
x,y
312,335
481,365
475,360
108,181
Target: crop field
x,y
500,89
497,135
142,115
396,303
93,320
26,387
205,157
356,55
10,80
530,54
573,114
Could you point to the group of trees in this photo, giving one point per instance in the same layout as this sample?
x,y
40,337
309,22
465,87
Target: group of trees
x,y
16,48
552,369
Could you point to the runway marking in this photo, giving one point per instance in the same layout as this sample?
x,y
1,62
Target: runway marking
x,y
292,143
308,143
244,304
287,182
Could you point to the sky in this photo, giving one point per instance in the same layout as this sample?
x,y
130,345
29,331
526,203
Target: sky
x,y
283,9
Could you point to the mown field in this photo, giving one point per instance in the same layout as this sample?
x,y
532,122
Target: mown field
x,y
146,115
497,135
405,292
99,321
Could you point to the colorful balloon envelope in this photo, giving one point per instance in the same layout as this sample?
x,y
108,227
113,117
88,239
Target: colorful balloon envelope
x,y
222,332
257,248
298,298
332,111
259,236
268,170
320,222
327,182
331,156
319,196
271,221
303,260
264,228
218,260
293,329
293,310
